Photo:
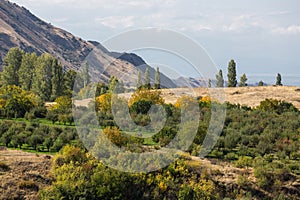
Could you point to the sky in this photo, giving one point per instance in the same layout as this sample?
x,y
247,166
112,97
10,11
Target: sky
x,y
262,36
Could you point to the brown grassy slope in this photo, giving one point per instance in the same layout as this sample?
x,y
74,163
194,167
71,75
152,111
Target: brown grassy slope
x,y
250,96
27,174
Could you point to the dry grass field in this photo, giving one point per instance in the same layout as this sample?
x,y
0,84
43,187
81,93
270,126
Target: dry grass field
x,y
250,96
23,174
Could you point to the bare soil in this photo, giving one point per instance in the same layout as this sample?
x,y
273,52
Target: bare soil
x,y
23,174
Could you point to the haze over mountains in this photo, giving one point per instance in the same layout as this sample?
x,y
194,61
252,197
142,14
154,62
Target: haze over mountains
x,y
20,28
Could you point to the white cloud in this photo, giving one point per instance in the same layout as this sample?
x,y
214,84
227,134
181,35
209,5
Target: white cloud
x,y
290,30
244,23
117,21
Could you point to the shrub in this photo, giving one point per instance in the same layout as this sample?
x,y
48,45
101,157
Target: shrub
x,y
244,161
4,166
230,156
243,181
28,185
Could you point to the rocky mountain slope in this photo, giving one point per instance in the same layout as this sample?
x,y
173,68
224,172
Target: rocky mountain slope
x,y
20,28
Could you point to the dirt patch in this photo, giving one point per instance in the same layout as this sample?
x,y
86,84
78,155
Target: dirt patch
x,y
27,174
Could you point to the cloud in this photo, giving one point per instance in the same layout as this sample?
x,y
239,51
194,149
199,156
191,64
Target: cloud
x,y
244,24
117,21
290,30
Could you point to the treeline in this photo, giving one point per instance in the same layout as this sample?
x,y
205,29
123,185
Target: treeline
x,y
36,136
232,78
43,75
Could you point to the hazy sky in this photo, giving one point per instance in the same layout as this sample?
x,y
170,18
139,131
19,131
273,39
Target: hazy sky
x,y
263,36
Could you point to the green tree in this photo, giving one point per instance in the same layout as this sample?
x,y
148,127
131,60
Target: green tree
x,y
12,63
115,136
48,142
139,80
14,130
260,83
35,140
26,71
42,80
69,82
147,84
112,84
157,79
63,118
6,138
220,79
85,75
278,80
15,102
57,80
52,116
232,82
243,81
21,138
63,105
209,83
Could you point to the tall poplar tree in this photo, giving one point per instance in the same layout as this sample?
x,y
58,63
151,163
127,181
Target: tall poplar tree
x,y
26,71
278,80
220,79
243,81
85,75
42,81
12,63
57,79
147,79
139,83
232,82
157,79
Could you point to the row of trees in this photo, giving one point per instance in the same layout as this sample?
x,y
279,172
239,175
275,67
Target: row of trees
x,y
232,78
36,136
43,75
147,80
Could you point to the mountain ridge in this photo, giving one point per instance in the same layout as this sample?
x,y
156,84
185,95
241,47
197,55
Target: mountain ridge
x,y
20,28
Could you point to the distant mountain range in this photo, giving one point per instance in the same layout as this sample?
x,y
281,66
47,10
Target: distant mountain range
x,y
20,28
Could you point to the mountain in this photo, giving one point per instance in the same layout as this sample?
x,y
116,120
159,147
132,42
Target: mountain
x,y
20,28
190,82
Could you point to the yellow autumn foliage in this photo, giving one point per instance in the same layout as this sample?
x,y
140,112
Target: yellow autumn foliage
x,y
148,95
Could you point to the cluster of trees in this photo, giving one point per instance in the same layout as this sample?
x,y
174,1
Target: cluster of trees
x,y
61,111
35,136
15,102
18,103
265,138
79,176
147,80
43,75
232,78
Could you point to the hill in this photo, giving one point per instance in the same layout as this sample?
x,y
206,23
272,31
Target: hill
x,y
20,28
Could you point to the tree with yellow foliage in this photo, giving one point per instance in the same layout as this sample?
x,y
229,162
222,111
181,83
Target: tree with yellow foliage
x,y
103,103
15,102
153,96
184,101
